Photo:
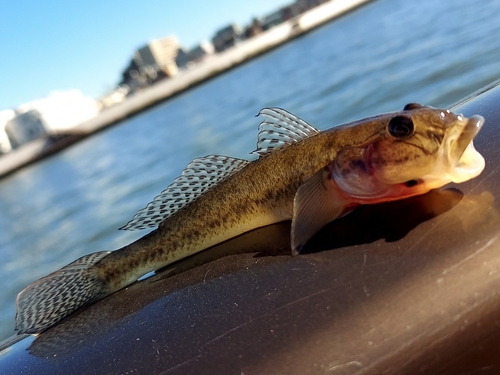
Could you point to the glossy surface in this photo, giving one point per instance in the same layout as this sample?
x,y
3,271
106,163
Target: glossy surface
x,y
405,287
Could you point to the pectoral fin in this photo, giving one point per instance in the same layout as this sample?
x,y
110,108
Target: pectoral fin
x,y
316,203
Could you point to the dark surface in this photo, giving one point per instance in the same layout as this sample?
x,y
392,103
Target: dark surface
x,y
401,288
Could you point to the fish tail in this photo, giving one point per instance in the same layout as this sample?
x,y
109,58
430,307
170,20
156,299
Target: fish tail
x,y
55,296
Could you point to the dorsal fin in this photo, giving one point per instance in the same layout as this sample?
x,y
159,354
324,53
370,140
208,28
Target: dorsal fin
x,y
199,176
280,128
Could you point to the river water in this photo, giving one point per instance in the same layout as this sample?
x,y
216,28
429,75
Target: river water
x,y
375,59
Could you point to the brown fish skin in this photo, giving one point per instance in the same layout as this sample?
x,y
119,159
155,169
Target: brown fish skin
x,y
261,193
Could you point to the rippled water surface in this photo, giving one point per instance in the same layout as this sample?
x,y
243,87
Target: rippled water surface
x,y
373,60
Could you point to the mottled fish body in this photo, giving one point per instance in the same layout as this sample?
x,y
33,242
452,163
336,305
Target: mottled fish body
x,y
302,174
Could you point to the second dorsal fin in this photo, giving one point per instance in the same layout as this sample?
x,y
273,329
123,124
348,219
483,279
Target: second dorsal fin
x,y
199,176
280,128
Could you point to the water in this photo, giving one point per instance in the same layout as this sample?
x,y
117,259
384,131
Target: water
x,y
376,59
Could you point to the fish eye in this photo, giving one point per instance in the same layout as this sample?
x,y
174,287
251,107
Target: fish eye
x,y
411,183
400,127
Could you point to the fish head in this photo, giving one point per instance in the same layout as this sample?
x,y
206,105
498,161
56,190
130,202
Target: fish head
x,y
410,152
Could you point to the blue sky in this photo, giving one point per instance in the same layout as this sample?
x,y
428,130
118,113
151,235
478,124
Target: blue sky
x,y
60,45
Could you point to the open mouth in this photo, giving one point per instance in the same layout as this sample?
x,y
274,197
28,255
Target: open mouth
x,y
474,125
470,163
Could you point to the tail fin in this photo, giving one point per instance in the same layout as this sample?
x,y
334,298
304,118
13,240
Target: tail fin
x,y
55,296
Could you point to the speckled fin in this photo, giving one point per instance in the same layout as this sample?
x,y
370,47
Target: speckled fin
x,y
199,176
280,128
316,203
51,298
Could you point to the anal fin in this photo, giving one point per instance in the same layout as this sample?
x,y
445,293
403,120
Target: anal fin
x,y
316,203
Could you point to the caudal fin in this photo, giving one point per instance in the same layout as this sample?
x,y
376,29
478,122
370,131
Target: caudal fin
x,y
55,296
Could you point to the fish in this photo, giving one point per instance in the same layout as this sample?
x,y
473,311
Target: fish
x,y
300,173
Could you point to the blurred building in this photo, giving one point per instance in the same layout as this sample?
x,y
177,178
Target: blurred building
x,y
201,50
182,58
272,19
288,12
5,116
113,97
62,110
25,127
160,55
151,63
226,37
302,6
196,54
253,29
60,113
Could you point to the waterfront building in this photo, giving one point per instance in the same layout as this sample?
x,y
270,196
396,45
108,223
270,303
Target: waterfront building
x,y
159,54
196,54
58,114
200,51
288,12
253,29
115,96
226,37
182,58
25,127
273,19
151,63
5,116
62,111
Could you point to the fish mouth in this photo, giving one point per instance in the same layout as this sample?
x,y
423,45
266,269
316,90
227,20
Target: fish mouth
x,y
469,132
468,163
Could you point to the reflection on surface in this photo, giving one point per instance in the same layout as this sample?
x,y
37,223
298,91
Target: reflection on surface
x,y
390,221
477,210
271,244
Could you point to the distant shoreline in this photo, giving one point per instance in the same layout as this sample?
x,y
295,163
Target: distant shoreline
x,y
184,80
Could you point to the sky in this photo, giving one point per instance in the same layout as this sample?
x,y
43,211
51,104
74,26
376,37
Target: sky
x,y
54,45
